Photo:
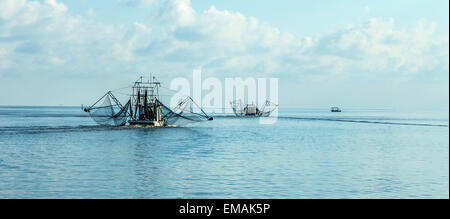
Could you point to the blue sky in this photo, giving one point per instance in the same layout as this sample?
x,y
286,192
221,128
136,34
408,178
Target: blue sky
x,y
296,16
361,54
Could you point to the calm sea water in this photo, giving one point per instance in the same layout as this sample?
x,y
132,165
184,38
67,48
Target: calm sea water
x,y
58,152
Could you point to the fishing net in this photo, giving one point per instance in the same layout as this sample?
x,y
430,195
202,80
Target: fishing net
x,y
105,113
267,109
238,108
186,112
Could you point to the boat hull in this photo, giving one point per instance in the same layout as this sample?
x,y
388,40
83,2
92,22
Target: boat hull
x,y
146,123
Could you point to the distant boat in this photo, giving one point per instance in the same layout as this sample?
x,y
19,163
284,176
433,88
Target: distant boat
x,y
335,110
251,110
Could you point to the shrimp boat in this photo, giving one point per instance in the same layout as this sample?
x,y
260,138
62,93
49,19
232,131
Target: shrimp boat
x,y
335,109
251,110
145,108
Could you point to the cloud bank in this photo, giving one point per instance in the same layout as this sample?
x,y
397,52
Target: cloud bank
x,y
44,39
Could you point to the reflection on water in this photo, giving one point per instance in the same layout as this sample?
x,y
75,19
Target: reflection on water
x,y
306,154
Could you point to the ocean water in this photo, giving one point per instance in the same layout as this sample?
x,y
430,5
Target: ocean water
x,y
59,152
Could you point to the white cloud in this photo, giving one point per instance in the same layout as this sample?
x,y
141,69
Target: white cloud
x,y
90,12
23,12
56,61
136,2
2,52
135,38
176,12
223,40
38,33
379,46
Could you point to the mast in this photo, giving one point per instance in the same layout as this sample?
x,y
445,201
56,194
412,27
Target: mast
x,y
138,110
144,99
146,116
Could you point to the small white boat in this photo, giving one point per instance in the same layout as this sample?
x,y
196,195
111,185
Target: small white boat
x,y
335,110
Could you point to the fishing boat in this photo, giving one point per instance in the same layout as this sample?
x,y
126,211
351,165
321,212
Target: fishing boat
x,y
251,110
335,109
145,108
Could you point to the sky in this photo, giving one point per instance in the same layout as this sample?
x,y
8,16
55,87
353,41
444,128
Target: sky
x,y
353,54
